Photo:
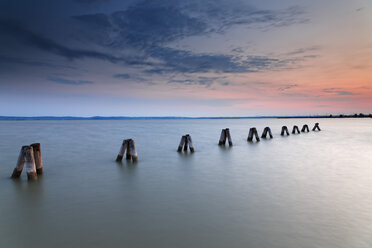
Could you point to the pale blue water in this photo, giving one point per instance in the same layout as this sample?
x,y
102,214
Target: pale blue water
x,y
308,190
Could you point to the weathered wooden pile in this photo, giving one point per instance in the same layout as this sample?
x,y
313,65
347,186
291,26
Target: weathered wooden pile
x,y
31,156
186,142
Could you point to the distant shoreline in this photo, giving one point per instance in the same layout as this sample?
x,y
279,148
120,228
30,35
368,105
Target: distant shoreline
x,y
24,118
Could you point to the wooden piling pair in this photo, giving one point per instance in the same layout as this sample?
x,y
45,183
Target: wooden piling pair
x,y
316,127
295,129
129,147
253,132
225,133
284,131
305,128
266,131
31,156
186,142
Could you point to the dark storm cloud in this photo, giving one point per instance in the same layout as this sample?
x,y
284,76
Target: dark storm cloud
x,y
29,38
146,29
149,26
152,22
70,82
32,39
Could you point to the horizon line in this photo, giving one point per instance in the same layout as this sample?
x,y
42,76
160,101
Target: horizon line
x,y
67,117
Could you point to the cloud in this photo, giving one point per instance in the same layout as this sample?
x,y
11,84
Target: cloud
x,y
338,91
170,21
96,20
295,94
174,60
122,76
70,82
287,87
169,60
90,1
201,81
302,51
140,36
30,62
29,38
166,22
163,23
222,15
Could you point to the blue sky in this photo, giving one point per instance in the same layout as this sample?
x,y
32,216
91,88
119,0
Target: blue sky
x,y
185,58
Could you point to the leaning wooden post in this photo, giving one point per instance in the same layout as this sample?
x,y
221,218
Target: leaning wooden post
x,y
222,137
227,131
132,150
129,155
305,128
284,130
182,142
123,147
189,141
253,132
295,129
20,163
30,163
186,145
316,127
266,131
37,155
250,135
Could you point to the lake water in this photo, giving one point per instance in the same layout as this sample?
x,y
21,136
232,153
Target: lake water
x,y
308,190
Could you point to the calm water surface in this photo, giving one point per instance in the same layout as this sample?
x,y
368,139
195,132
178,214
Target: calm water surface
x,y
308,190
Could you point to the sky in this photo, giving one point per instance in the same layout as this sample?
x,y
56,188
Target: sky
x,y
185,58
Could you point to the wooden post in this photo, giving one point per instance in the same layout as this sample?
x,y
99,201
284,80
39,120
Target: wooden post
x,y
123,147
30,163
284,130
20,163
316,127
189,141
227,131
128,157
222,137
250,135
186,145
182,142
37,155
305,128
132,150
266,131
253,132
295,129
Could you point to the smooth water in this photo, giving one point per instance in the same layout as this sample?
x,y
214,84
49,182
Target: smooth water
x,y
307,190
